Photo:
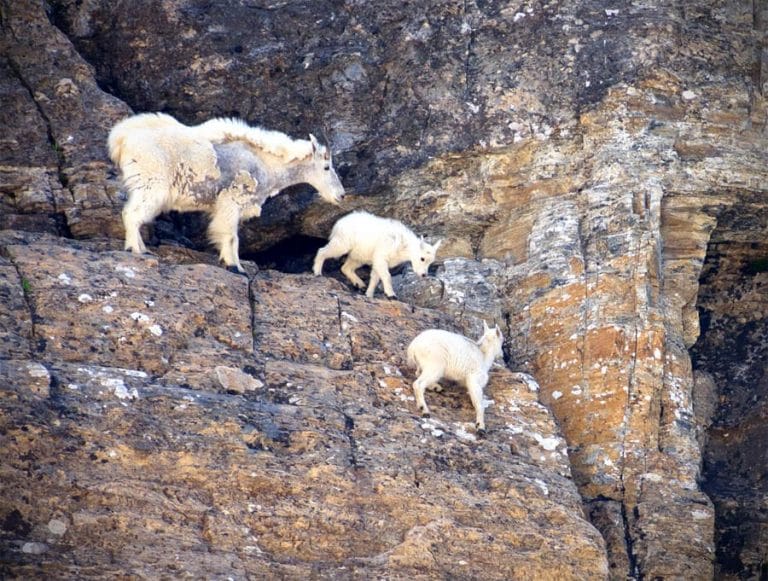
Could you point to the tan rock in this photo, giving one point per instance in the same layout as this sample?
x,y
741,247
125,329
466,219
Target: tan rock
x,y
323,463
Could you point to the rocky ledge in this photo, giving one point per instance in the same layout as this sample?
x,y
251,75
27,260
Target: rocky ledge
x,y
164,417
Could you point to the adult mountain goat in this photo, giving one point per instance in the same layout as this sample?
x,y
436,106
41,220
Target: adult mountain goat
x,y
438,354
381,242
223,167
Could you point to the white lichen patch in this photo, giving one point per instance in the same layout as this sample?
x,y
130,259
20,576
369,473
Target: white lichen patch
x,y
432,426
57,527
156,330
402,396
346,315
463,434
548,444
529,381
32,548
700,515
454,295
64,278
389,371
119,388
107,309
542,486
124,393
140,317
112,382
85,298
557,395
125,270
38,371
689,95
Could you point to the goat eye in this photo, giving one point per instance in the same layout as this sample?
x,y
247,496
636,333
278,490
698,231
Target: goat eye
x,y
327,168
423,259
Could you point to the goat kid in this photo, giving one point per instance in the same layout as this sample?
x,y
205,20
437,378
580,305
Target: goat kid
x,y
382,243
438,354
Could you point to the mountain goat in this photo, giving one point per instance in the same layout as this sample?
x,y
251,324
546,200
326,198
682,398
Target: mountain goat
x,y
438,354
381,242
223,167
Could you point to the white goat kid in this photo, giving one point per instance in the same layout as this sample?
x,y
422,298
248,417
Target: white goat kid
x,y
223,167
382,243
438,354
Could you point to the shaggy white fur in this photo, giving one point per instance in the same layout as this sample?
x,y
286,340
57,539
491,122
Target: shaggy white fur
x,y
223,167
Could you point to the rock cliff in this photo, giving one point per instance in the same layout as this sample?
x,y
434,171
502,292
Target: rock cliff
x,y
599,174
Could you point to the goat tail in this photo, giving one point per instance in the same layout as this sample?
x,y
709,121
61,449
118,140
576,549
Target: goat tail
x,y
115,143
123,130
411,357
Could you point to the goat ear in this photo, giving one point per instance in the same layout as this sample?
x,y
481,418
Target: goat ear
x,y
437,244
315,144
485,326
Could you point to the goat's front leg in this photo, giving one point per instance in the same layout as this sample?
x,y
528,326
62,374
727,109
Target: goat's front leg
x,y
372,284
475,384
380,269
223,233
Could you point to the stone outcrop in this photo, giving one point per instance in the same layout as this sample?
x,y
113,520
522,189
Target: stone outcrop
x,y
588,165
731,375
162,425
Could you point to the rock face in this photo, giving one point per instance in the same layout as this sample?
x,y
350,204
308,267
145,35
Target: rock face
x,y
168,427
587,164
731,358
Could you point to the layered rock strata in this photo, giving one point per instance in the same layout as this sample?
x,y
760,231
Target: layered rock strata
x,y
581,160
163,418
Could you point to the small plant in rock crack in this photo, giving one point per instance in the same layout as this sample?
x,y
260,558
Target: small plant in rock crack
x,y
26,286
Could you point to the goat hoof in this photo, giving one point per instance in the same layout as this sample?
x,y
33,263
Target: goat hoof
x,y
236,270
426,415
392,298
481,433
139,253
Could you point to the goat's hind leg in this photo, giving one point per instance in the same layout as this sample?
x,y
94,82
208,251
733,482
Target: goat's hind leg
x,y
348,269
475,385
334,249
425,379
143,206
